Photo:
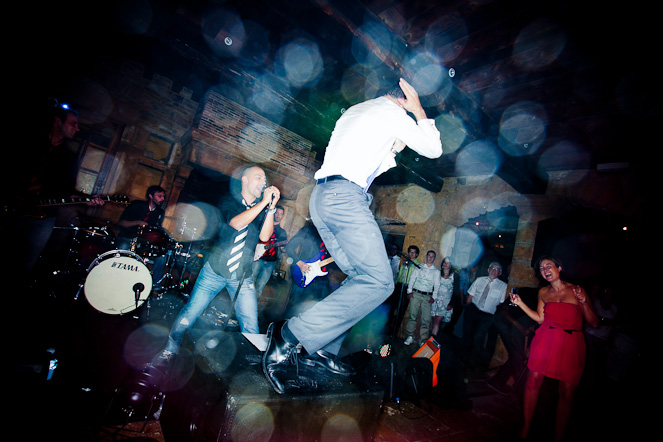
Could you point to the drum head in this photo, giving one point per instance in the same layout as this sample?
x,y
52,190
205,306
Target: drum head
x,y
111,285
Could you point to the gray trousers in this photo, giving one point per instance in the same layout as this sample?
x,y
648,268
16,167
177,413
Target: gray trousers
x,y
340,211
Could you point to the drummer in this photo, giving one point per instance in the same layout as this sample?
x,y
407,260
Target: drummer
x,y
140,214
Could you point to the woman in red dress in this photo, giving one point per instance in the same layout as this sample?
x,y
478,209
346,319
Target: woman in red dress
x,y
558,348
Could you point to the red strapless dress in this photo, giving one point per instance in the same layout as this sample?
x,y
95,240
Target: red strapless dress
x,y
558,347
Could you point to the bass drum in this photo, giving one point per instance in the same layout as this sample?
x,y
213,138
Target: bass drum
x,y
118,282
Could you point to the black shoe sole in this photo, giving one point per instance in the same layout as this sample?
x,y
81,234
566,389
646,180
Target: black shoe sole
x,y
316,364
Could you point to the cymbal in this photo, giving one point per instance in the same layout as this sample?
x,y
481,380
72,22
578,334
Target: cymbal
x,y
96,232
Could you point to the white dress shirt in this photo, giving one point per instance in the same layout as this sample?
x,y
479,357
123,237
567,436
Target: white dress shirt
x,y
425,279
496,295
362,139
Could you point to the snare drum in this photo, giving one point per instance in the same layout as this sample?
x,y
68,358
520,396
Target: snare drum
x,y
118,282
151,241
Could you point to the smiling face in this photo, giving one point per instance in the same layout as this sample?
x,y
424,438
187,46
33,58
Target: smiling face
x,y
494,271
253,182
412,254
549,270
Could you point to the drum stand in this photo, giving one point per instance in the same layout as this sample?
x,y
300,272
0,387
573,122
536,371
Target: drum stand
x,y
167,275
72,245
188,253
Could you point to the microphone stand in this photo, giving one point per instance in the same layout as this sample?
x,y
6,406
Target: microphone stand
x,y
397,321
138,288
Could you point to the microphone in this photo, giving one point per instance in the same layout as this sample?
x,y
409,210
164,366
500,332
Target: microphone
x,y
262,188
138,288
408,261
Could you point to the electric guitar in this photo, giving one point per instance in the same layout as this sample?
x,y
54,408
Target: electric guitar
x,y
33,209
304,279
261,248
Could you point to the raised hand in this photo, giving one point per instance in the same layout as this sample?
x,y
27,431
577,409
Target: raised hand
x,y
411,102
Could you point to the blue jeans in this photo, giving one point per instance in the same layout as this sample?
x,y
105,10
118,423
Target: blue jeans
x,y
262,271
340,212
208,285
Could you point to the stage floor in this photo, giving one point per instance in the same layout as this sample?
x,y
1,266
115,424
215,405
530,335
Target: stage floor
x,y
94,352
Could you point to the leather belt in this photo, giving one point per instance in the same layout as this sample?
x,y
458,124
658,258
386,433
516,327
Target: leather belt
x,y
331,178
423,293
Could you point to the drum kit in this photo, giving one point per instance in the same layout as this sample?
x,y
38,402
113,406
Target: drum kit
x,y
119,281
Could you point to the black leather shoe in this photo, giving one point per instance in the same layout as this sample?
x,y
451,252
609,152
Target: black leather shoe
x,y
278,358
328,361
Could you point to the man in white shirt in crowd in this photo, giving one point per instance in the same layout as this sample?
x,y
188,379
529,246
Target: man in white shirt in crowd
x,y
364,144
422,293
484,295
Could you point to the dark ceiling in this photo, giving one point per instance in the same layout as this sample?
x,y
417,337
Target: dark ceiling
x,y
518,88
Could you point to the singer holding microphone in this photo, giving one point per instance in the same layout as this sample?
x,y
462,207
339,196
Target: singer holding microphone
x,y
247,216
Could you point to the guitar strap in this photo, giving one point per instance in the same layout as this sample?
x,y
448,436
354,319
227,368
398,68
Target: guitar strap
x,y
323,251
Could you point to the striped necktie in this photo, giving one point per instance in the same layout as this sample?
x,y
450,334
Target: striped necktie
x,y
238,244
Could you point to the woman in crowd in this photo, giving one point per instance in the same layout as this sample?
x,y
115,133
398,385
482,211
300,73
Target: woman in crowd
x,y
558,348
441,310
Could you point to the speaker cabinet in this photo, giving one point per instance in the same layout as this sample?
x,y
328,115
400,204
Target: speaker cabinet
x,y
238,404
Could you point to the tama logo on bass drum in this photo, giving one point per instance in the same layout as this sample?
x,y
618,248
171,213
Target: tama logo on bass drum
x,y
124,266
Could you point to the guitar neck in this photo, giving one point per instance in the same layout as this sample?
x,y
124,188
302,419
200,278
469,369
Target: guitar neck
x,y
73,200
324,262
276,244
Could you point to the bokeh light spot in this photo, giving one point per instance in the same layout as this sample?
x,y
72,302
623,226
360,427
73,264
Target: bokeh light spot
x,y
143,343
269,96
215,351
452,132
376,34
301,63
479,158
539,44
253,423
563,153
463,245
341,427
426,73
447,37
522,128
359,84
415,205
192,222
267,146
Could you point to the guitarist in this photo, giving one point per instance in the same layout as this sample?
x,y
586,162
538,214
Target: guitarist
x,y
306,244
45,169
264,267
